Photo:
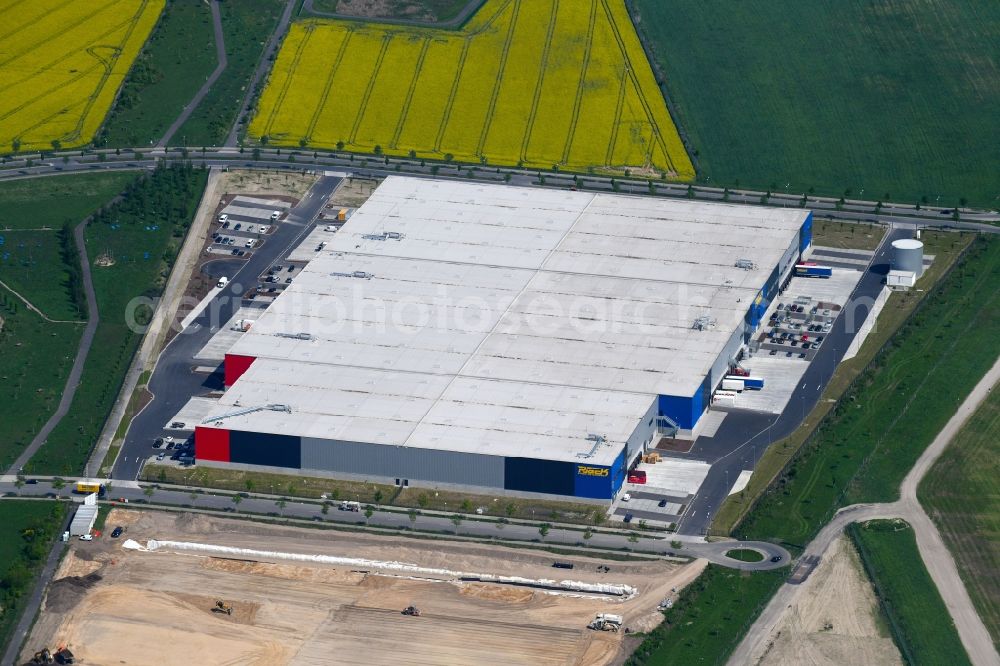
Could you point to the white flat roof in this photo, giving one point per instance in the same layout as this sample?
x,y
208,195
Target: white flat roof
x,y
580,305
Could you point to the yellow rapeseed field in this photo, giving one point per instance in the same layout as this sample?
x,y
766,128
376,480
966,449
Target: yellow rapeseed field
x,y
61,64
532,82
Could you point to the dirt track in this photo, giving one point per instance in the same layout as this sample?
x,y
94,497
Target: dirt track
x,y
835,620
156,607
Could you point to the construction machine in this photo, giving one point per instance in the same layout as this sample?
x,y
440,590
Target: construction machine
x,y
223,607
411,610
606,622
43,657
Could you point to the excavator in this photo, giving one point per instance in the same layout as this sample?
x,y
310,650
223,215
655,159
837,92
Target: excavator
x,y
412,611
223,607
46,656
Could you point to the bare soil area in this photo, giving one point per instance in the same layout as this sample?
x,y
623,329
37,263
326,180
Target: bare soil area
x,y
111,605
836,619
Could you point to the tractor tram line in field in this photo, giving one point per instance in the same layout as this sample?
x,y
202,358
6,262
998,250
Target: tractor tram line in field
x,y
394,143
543,65
504,54
309,30
328,84
581,84
359,116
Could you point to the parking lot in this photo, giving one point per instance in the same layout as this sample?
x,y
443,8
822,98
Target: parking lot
x,y
244,223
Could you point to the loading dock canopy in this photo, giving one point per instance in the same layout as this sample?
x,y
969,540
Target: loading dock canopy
x,y
511,321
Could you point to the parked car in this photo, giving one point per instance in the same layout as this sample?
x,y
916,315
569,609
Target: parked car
x,y
776,558
158,442
628,517
177,424
626,497
86,537
237,226
291,268
288,280
224,218
170,446
117,532
774,352
662,503
275,215
161,456
225,225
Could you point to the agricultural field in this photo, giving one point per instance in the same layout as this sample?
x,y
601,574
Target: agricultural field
x,y
33,263
430,11
961,495
538,83
917,616
61,64
896,99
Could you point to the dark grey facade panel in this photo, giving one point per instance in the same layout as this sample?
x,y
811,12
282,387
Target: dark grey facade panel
x,y
644,433
402,462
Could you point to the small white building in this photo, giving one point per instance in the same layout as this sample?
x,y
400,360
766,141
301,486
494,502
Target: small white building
x,y
86,515
900,279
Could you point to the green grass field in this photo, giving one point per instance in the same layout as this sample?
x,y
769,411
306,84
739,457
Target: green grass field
x,y
863,450
35,355
896,98
246,27
709,618
141,234
176,60
26,532
918,619
422,10
962,494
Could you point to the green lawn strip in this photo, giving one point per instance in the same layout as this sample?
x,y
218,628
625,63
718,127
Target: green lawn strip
x,y
918,619
887,93
33,263
962,495
383,494
861,451
946,247
37,203
27,529
422,10
744,555
141,233
35,359
709,618
246,26
176,60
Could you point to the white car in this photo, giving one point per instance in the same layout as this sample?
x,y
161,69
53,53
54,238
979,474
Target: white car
x,y
223,218
275,215
251,243
86,537
626,497
330,227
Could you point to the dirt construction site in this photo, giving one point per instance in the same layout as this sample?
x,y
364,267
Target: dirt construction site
x,y
112,604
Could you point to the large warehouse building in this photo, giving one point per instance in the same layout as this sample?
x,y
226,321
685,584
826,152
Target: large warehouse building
x,y
499,338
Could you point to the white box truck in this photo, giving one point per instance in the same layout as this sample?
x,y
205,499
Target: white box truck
x,y
732,385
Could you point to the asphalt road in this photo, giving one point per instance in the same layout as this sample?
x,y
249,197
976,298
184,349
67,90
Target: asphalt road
x,y
173,380
744,435
938,560
220,55
86,340
429,521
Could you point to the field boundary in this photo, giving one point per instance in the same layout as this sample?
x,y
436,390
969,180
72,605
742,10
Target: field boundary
x,y
410,91
515,13
540,81
327,85
309,29
363,107
578,102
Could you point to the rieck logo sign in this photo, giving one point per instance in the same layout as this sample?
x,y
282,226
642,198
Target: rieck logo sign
x,y
584,470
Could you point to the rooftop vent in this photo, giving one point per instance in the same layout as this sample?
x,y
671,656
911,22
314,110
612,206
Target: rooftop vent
x,y
295,336
385,235
746,264
354,274
598,440
704,323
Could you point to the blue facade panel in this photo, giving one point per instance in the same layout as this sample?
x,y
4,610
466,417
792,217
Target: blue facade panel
x,y
258,448
540,476
806,233
684,411
598,481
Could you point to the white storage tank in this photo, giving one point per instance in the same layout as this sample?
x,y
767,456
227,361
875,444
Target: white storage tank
x,y
908,255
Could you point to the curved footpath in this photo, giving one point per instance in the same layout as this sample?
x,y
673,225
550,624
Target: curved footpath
x,y
939,562
73,381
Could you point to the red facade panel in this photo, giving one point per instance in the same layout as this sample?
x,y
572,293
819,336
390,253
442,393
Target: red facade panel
x,y
235,366
211,444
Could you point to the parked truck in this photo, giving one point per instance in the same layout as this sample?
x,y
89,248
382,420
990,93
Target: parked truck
x,y
753,383
637,476
732,384
88,487
810,269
